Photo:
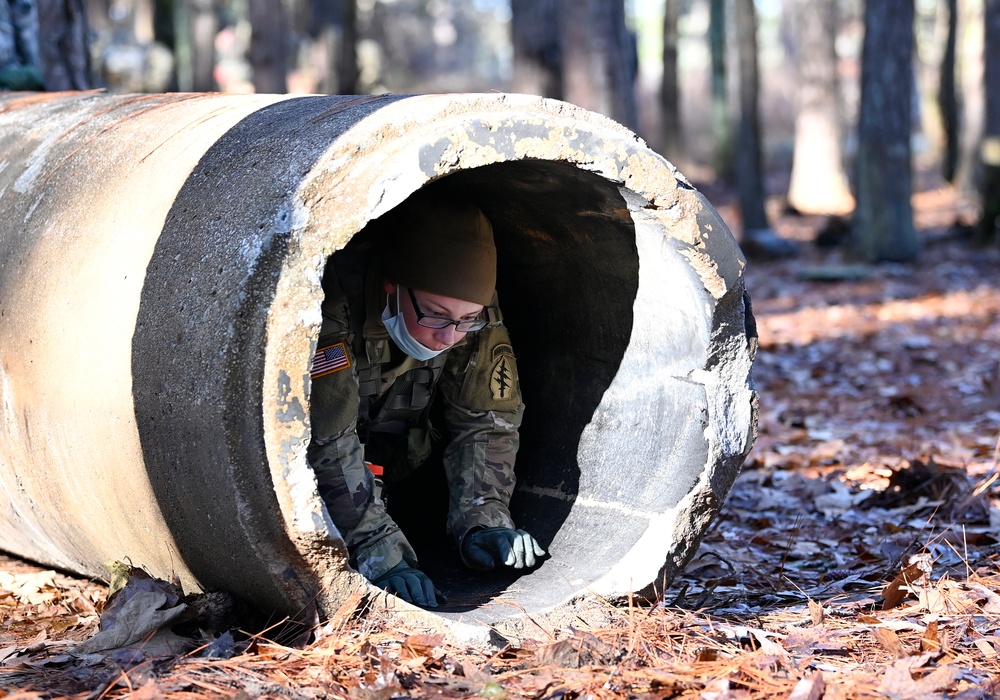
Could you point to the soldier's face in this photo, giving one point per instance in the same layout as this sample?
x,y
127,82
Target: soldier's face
x,y
432,305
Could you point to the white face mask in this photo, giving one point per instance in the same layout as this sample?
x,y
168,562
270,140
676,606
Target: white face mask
x,y
400,334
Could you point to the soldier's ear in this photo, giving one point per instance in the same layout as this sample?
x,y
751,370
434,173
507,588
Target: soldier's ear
x,y
389,287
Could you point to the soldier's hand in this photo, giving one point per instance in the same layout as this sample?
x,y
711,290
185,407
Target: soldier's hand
x,y
410,584
488,548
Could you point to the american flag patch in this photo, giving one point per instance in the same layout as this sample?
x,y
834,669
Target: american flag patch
x,y
329,360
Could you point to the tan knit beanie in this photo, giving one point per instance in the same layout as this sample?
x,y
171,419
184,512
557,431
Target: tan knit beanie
x,y
441,245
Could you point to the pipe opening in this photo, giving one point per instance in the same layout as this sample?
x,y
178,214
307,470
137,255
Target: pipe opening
x,y
568,282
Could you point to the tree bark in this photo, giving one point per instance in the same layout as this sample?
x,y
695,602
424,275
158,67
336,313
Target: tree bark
x,y
268,48
64,51
721,125
883,223
204,25
348,73
970,56
947,97
598,58
819,180
537,56
333,28
670,93
989,224
749,165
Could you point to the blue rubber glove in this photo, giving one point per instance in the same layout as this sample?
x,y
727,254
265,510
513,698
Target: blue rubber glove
x,y
410,584
488,548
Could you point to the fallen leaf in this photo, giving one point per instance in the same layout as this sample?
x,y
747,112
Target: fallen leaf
x,y
810,688
422,644
141,614
816,613
898,682
889,640
929,641
987,647
899,588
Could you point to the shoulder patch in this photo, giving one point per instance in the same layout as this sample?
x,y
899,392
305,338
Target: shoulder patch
x,y
330,359
502,374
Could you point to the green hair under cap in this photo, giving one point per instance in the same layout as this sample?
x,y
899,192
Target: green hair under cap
x,y
439,245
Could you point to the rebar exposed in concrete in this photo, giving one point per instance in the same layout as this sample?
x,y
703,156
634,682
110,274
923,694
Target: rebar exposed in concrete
x,y
160,265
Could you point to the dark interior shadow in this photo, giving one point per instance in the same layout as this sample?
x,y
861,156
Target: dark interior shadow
x,y
567,280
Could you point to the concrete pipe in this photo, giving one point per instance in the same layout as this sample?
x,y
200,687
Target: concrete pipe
x,y
160,266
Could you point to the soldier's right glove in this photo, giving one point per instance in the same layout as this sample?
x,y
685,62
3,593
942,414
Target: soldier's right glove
x,y
488,548
410,584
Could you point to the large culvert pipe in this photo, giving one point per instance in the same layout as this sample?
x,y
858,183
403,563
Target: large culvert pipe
x,y
160,266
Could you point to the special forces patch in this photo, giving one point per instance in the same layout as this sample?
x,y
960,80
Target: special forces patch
x,y
502,378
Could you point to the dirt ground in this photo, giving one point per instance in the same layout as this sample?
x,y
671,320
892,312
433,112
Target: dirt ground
x,y
857,556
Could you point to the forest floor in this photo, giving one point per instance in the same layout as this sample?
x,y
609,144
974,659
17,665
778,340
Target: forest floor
x,y
858,555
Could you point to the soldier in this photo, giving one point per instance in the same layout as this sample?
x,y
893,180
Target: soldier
x,y
20,66
413,348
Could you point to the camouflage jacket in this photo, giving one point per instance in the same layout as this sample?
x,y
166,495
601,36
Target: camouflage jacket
x,y
366,396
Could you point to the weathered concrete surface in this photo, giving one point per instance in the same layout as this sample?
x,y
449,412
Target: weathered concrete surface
x,y
160,259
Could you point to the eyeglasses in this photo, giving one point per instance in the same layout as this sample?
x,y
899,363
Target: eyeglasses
x,y
464,326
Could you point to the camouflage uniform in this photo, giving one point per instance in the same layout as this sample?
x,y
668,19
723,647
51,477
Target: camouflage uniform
x,y
375,403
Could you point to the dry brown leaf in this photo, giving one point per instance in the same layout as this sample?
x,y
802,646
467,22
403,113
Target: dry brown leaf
x,y
899,588
810,688
889,640
929,641
898,682
988,648
149,691
816,613
422,644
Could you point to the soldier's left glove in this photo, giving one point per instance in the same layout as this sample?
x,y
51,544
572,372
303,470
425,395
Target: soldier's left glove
x,y
486,549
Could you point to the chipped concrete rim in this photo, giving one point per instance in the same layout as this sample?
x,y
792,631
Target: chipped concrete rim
x,y
373,167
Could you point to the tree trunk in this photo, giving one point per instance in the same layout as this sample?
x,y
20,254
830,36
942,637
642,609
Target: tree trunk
x,y
268,48
204,25
947,96
65,54
537,57
670,94
818,181
749,167
970,56
883,222
723,155
598,58
333,28
989,225
348,73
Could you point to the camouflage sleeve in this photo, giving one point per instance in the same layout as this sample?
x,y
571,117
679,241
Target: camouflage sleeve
x,y
374,541
483,412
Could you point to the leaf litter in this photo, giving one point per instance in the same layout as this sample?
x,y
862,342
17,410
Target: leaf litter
x,y
857,555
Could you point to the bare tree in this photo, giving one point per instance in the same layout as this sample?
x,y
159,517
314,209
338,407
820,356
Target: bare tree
x,y
65,54
819,180
670,93
947,96
883,222
723,155
989,225
268,46
348,70
333,28
195,27
749,164
598,58
535,35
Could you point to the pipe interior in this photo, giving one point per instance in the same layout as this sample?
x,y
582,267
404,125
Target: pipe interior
x,y
567,280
